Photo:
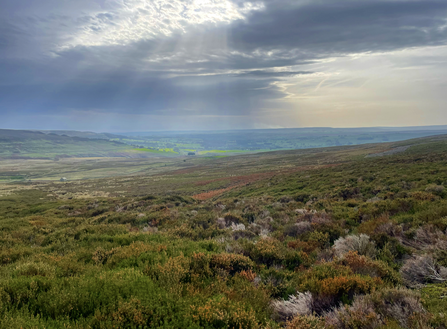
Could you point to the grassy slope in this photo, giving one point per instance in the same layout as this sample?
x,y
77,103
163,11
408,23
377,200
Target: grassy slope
x,y
142,253
23,144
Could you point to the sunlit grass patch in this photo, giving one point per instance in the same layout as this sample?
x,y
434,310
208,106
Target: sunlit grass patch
x,y
163,151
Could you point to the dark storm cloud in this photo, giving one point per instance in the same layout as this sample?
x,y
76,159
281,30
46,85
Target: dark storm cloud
x,y
334,27
205,68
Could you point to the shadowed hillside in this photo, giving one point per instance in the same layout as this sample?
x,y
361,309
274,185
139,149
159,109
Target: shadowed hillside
x,y
82,134
26,144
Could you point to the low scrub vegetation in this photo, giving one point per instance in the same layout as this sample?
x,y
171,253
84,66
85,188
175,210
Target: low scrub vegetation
x,y
360,245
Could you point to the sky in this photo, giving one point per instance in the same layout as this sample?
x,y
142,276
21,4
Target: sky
x,y
142,65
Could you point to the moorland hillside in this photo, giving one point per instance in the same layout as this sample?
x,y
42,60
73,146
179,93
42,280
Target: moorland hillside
x,y
322,238
27,144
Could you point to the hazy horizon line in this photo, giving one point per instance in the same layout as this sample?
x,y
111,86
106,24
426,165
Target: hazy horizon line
x,y
230,130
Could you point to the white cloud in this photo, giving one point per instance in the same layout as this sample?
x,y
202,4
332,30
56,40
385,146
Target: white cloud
x,y
126,21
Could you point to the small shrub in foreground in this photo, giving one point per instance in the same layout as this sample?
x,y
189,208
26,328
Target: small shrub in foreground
x,y
305,322
331,291
360,315
402,305
373,268
222,313
231,263
360,243
421,270
299,304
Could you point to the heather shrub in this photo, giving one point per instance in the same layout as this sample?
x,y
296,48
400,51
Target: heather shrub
x,y
297,229
127,314
379,225
295,260
359,243
232,219
267,251
331,284
360,314
243,234
320,219
365,266
118,255
76,297
306,246
31,268
170,274
276,282
334,230
305,322
231,263
345,287
422,269
223,313
100,256
392,253
435,189
440,256
299,304
320,238
285,199
424,196
248,275
428,237
302,197
324,271
200,264
402,305
326,255
434,301
11,255
262,224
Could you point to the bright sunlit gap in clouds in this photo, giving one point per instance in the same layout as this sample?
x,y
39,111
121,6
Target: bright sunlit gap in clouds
x,y
168,65
124,22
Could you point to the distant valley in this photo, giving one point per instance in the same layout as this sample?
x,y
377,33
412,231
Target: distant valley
x,y
56,144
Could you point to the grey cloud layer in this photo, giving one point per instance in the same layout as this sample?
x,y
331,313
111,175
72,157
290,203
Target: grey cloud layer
x,y
230,66
333,27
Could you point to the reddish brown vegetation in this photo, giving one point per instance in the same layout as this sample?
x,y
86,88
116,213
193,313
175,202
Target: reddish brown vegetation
x,y
244,179
211,194
237,181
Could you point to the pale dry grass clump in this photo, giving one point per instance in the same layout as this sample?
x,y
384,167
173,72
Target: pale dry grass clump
x,y
435,189
359,243
298,229
299,304
402,305
376,310
221,223
360,315
429,238
237,227
421,270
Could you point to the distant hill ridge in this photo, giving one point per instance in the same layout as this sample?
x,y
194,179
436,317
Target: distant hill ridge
x,y
37,144
83,134
53,144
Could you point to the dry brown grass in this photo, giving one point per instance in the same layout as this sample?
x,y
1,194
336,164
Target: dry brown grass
x,y
211,194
